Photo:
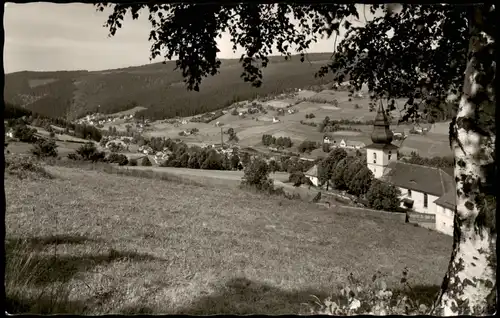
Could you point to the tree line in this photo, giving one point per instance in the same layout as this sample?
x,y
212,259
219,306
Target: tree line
x,y
348,173
268,140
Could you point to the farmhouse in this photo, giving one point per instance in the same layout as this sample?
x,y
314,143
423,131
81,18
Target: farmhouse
x,y
425,190
338,143
312,174
353,144
10,133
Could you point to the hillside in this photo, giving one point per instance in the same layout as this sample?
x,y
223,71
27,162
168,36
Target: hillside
x,y
158,87
130,245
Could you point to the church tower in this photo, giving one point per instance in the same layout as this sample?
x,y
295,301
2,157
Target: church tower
x,y
381,152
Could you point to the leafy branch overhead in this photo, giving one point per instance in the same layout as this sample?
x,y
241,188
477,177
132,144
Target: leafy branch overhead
x,y
420,50
260,29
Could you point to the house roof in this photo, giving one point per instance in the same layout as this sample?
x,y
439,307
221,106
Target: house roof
x,y
313,172
355,143
449,199
418,178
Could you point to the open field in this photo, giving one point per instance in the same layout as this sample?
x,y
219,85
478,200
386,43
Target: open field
x,y
63,149
130,245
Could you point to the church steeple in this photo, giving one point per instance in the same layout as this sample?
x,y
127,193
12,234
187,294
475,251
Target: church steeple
x,y
381,132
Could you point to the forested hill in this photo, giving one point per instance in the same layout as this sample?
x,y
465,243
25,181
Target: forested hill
x,y
158,87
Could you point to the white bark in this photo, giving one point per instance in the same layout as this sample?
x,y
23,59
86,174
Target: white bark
x,y
469,287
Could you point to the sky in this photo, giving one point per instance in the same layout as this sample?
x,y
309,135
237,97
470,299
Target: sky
x,y
50,37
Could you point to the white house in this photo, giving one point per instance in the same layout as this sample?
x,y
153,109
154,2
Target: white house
x,y
338,143
423,189
420,186
312,174
353,144
445,210
10,133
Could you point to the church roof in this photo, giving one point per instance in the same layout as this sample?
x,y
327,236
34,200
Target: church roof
x,y
418,178
381,132
313,172
449,199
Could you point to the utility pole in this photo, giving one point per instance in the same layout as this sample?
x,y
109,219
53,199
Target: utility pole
x,y
221,138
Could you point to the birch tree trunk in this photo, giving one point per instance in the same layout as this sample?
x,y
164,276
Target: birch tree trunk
x,y
469,287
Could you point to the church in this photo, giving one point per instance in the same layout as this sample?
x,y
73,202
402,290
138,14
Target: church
x,y
425,190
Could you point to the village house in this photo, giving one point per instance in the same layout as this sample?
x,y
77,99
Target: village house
x,y
145,150
275,120
425,190
10,133
353,144
338,143
312,174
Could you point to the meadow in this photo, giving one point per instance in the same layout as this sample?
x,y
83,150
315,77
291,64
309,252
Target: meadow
x,y
250,128
89,242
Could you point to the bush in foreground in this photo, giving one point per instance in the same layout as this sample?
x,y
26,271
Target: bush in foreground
x,y
132,162
25,167
356,298
146,162
120,159
86,150
256,174
44,148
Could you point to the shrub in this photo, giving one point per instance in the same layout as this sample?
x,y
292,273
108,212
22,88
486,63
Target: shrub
x,y
383,196
24,167
307,146
24,133
132,162
44,148
298,178
123,160
355,298
73,156
87,150
52,134
114,157
146,162
256,174
98,156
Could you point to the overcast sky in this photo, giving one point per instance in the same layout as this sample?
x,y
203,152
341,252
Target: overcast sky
x,y
50,37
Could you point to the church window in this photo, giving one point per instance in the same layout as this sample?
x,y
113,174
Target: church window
x,y
409,193
374,157
425,200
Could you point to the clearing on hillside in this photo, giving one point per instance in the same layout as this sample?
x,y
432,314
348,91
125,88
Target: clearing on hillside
x,y
131,245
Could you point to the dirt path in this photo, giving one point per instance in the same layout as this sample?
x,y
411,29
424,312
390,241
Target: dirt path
x,y
219,174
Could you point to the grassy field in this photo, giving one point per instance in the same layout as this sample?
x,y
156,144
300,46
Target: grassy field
x,y
250,131
118,244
